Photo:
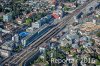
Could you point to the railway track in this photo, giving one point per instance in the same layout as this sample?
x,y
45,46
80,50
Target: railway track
x,y
64,22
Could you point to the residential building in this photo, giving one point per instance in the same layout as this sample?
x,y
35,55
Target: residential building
x,y
89,27
81,1
75,46
72,38
9,26
29,38
97,40
10,45
1,25
5,37
20,20
5,53
63,41
58,14
55,16
7,17
31,29
87,45
54,45
70,4
36,25
29,15
15,38
45,20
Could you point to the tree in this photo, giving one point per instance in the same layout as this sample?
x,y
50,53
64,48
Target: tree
x,y
98,34
1,8
93,41
66,8
1,18
28,21
72,0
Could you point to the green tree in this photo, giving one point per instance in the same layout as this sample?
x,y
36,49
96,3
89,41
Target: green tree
x,y
72,0
66,8
98,34
28,21
1,18
1,8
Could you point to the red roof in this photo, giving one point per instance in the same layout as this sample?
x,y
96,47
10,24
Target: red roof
x,y
54,1
29,14
55,16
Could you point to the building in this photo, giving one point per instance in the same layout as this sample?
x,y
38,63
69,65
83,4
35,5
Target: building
x,y
72,38
29,15
1,25
5,37
5,53
63,41
31,29
96,19
88,27
87,45
70,4
34,35
45,20
10,45
9,26
20,20
36,25
15,38
29,38
1,38
53,2
58,14
42,49
81,1
97,40
7,17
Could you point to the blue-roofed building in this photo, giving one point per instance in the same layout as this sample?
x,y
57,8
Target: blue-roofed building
x,y
23,34
29,38
34,35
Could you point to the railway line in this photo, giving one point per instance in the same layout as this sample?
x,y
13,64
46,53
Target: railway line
x,y
30,50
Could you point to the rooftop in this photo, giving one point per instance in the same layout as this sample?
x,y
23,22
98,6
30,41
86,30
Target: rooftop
x,y
8,43
89,26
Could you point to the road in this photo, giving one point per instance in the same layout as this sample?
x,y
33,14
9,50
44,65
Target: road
x,y
19,58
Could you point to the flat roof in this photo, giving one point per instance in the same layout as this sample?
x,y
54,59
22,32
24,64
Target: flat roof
x,y
89,26
34,32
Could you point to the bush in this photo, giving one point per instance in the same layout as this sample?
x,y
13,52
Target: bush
x,y
98,34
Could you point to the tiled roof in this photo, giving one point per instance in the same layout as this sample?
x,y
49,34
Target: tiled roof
x,y
89,26
55,16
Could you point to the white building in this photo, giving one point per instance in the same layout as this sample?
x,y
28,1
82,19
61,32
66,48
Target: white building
x,y
15,38
81,1
7,17
30,29
5,53
8,45
35,25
